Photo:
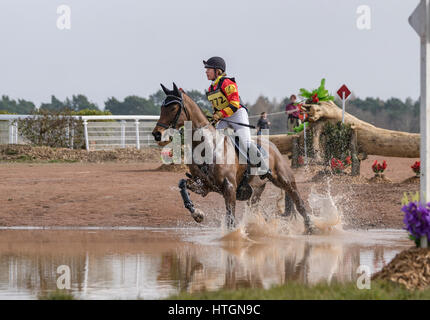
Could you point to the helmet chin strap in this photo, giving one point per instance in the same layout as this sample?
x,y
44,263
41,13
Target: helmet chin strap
x,y
215,76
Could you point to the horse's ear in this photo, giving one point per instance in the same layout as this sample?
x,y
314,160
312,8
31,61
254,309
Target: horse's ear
x,y
176,90
166,91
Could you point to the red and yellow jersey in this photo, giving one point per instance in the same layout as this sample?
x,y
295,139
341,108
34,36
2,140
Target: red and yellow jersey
x,y
224,96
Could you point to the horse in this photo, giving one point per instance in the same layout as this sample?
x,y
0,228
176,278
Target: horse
x,y
223,178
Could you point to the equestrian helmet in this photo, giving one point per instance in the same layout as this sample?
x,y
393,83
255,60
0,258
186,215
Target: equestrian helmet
x,y
215,63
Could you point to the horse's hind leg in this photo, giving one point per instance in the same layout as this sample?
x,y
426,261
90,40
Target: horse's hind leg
x,y
291,192
256,194
289,205
254,202
229,193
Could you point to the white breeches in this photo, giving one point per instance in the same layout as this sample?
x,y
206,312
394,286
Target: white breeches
x,y
244,133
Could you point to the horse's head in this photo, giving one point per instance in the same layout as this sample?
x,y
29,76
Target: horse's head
x,y
173,113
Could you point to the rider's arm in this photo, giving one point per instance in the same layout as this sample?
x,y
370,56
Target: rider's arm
x,y
232,94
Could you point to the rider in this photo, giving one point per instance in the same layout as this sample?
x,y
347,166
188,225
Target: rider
x,y
224,96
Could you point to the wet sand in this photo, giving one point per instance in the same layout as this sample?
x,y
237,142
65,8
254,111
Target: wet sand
x,y
133,194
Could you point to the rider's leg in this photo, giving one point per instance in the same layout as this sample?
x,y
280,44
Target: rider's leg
x,y
256,157
246,143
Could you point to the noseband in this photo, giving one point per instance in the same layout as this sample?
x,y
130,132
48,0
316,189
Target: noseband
x,y
170,99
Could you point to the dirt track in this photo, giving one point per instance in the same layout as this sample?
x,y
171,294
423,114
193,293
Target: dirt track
x,y
132,194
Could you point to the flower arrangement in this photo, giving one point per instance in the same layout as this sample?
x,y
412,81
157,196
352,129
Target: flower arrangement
x,y
339,166
336,165
416,168
316,95
379,168
417,221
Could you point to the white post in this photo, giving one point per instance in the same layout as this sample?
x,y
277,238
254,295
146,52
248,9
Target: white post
x,y
343,107
419,20
87,145
424,123
137,135
16,131
68,134
72,134
87,265
10,132
304,140
122,133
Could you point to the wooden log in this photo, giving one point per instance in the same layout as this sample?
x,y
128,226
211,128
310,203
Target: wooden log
x,y
284,142
370,139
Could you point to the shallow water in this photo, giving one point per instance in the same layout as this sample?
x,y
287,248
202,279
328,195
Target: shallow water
x,y
155,263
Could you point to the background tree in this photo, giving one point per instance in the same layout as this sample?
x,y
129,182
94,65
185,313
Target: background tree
x,y
392,113
54,105
80,102
157,98
132,105
20,107
201,100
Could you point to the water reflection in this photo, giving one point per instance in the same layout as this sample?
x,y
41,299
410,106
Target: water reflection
x,y
112,264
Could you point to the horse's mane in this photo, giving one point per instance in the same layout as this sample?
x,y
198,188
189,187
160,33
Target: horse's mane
x,y
189,100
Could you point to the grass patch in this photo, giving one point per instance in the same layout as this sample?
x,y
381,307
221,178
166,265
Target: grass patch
x,y
24,158
380,290
57,295
62,161
11,152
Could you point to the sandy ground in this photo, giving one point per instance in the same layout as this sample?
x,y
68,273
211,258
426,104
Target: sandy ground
x,y
133,194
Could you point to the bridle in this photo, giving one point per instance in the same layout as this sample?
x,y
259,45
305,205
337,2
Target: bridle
x,y
170,99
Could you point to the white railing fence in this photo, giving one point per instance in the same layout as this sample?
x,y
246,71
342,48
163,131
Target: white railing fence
x,y
119,132
9,129
100,132
115,131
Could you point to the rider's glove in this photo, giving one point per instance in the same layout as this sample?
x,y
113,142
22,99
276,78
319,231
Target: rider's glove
x,y
217,115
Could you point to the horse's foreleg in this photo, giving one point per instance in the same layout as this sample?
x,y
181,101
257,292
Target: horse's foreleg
x,y
229,193
195,213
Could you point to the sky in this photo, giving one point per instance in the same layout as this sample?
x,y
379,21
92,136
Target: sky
x,y
272,47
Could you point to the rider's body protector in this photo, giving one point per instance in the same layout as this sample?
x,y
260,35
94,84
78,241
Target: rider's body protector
x,y
224,96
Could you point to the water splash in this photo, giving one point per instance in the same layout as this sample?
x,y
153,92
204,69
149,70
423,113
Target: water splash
x,y
325,215
265,221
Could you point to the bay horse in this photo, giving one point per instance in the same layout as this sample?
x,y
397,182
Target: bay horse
x,y
223,178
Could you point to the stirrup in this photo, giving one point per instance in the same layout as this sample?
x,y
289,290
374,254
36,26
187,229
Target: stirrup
x,y
266,175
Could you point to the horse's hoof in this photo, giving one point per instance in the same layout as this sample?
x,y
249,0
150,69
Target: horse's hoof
x,y
310,230
198,215
230,223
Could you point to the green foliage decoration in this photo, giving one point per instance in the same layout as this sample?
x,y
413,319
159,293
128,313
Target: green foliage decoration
x,y
336,141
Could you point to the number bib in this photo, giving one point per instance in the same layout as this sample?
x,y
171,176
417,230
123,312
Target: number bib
x,y
218,99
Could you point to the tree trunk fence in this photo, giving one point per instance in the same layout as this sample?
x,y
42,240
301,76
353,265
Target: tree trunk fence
x,y
365,139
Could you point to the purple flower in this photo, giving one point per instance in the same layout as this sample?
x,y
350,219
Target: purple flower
x,y
417,219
